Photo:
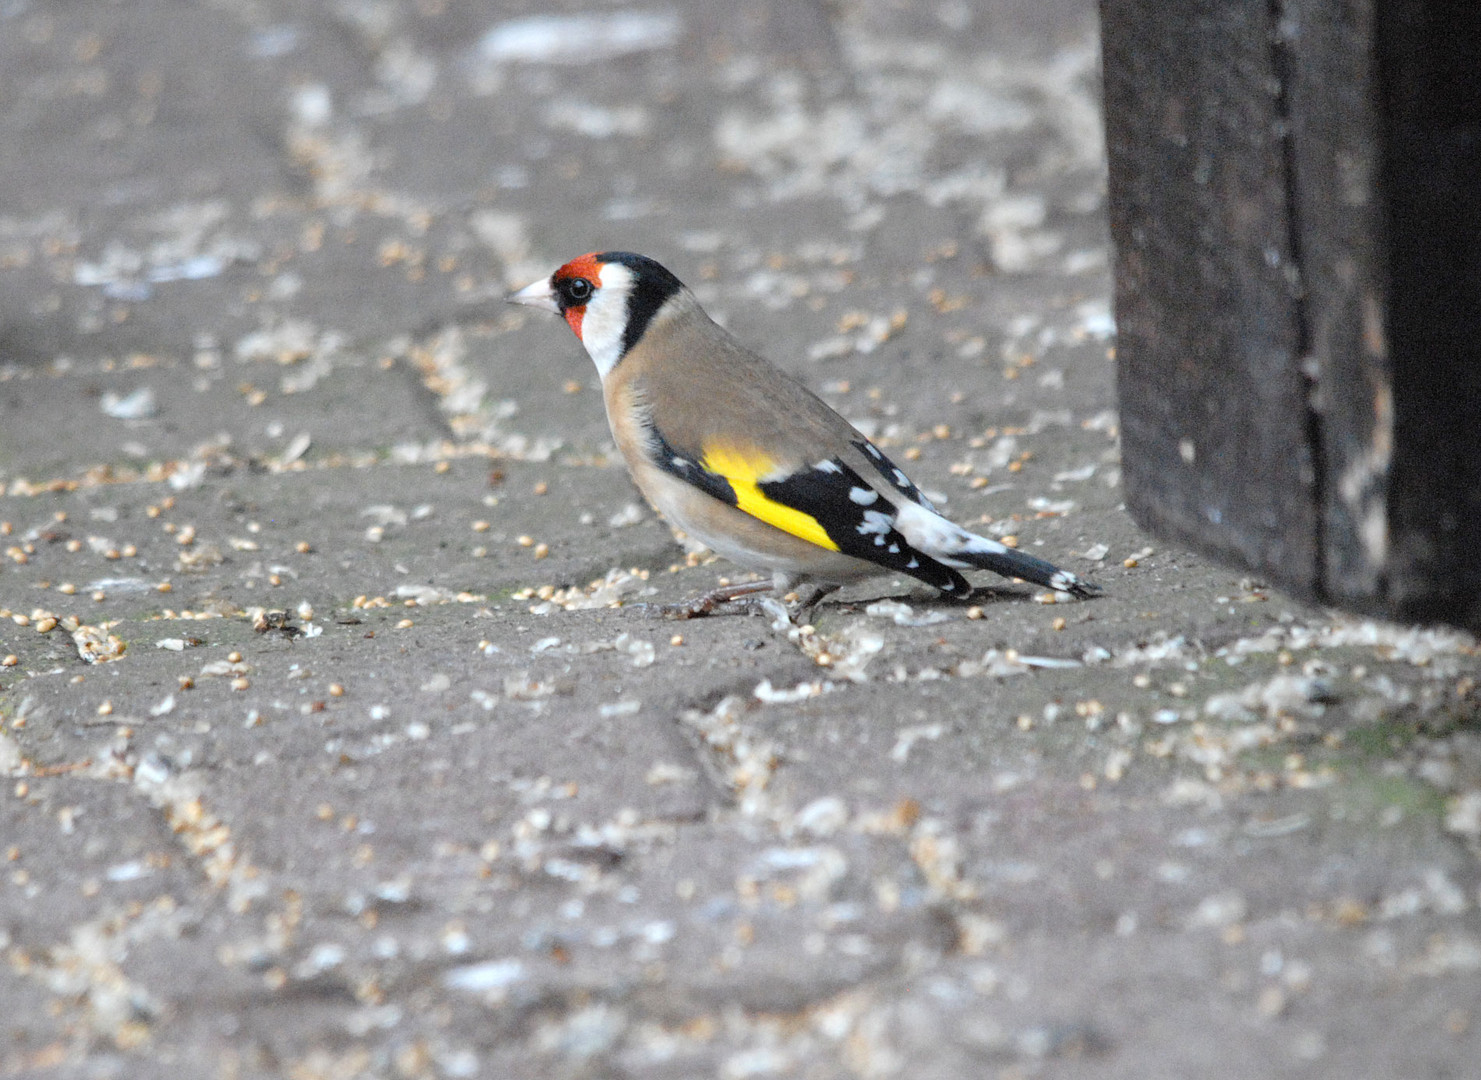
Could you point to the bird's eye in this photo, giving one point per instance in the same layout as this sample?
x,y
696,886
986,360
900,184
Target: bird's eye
x,y
578,290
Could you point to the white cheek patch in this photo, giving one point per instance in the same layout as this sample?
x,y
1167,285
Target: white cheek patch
x,y
605,321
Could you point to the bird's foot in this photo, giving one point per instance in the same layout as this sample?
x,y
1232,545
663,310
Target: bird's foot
x,y
741,599
807,603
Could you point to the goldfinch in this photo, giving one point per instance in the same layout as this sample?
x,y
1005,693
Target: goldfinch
x,y
744,458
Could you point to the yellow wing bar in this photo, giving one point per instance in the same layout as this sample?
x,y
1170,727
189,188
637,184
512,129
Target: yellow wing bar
x,y
744,470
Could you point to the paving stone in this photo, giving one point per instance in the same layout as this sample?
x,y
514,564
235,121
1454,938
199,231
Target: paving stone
x,y
390,767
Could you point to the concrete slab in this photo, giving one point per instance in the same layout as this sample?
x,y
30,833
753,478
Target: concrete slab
x,y
382,768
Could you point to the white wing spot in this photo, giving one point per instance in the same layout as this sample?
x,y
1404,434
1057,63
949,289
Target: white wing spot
x,y
913,564
876,522
902,479
863,496
894,549
829,466
873,451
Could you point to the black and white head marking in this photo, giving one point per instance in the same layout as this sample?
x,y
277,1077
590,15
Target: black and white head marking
x,y
647,286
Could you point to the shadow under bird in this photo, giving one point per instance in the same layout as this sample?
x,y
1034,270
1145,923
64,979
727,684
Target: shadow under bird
x,y
748,461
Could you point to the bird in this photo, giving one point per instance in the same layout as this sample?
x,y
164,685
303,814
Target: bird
x,y
744,458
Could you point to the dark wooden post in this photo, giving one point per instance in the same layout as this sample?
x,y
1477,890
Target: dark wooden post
x,y
1295,194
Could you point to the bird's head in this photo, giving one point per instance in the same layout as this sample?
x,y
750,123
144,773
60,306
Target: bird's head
x,y
609,299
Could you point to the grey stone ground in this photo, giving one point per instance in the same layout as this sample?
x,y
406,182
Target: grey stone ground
x,y
476,819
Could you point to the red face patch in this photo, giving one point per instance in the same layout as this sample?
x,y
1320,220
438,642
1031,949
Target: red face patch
x,y
583,266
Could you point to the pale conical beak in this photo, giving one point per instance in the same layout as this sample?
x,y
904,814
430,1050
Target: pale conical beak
x,y
539,295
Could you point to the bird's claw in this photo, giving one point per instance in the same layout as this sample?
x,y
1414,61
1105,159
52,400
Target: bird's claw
x,y
738,599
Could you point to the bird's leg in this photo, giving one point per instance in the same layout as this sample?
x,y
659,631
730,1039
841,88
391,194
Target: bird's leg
x,y
808,603
706,603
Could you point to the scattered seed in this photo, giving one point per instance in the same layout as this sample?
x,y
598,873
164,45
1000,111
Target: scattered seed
x,y
129,551
11,660
21,620
105,709
336,690
1271,1003
480,526
541,488
676,640
1130,564
46,625
1010,541
186,682
74,545
542,550
240,683
66,588
405,624
1059,623
974,612
163,586
442,466
303,547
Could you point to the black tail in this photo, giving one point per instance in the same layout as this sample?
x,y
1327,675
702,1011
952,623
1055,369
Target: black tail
x,y
1018,564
